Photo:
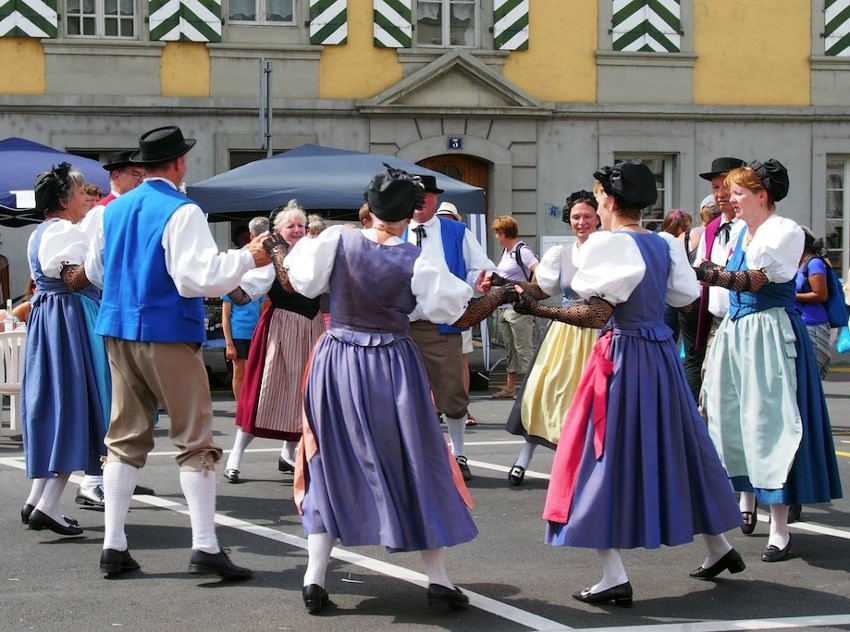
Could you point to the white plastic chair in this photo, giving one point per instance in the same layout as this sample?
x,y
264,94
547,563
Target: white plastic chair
x,y
11,370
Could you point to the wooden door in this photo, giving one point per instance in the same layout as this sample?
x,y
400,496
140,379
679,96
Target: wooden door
x,y
464,168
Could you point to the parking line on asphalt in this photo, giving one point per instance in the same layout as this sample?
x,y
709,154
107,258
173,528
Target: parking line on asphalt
x,y
729,626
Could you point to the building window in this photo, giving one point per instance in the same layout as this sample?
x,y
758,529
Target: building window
x,y
837,205
262,11
446,23
101,18
663,167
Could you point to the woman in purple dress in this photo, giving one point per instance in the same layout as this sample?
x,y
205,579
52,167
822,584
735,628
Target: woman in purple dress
x,y
378,470
635,466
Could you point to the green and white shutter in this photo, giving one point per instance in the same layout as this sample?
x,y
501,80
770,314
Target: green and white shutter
x,y
837,28
510,24
652,26
185,20
328,22
393,25
28,18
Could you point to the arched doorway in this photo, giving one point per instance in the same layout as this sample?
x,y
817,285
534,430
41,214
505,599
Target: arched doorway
x,y
464,168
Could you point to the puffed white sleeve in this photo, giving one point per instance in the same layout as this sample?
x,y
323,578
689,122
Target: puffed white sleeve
x,y
682,285
776,249
547,274
62,241
311,261
258,281
440,296
610,266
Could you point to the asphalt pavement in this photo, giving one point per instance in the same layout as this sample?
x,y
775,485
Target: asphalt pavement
x,y
515,582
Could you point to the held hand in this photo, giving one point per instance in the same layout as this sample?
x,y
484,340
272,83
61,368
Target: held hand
x,y
482,283
496,279
258,251
510,294
524,304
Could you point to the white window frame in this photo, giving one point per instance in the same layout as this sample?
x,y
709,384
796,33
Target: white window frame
x,y
838,192
666,193
445,35
100,20
261,6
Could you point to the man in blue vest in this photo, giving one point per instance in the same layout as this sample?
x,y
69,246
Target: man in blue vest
x,y
441,346
155,258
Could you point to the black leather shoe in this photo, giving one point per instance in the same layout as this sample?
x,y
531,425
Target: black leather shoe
x,y
621,595
464,468
92,498
232,475
773,553
39,521
202,563
731,561
141,490
113,562
517,475
27,509
315,598
283,466
441,598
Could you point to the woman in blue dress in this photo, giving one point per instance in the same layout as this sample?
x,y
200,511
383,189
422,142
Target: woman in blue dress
x,y
378,470
634,466
762,391
66,381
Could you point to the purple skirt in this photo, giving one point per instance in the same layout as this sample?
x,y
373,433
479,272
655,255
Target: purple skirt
x,y
381,474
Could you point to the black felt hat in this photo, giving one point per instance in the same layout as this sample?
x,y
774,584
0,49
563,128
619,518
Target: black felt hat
x,y
120,159
774,177
394,194
430,184
161,145
631,182
719,166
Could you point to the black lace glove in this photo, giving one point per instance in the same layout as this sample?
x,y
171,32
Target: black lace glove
x,y
239,296
593,314
480,308
278,249
74,277
740,281
528,287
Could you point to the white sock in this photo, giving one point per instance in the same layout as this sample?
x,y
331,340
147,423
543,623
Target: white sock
x,y
234,459
89,483
747,501
287,452
456,429
119,481
199,490
36,491
525,454
48,504
779,535
319,546
613,573
717,546
435,567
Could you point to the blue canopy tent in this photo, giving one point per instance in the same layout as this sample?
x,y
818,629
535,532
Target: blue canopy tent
x,y
320,178
20,162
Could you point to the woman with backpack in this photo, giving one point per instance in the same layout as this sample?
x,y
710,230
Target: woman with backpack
x,y
811,295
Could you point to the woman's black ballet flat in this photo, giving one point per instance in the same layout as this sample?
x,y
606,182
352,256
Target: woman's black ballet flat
x,y
731,561
773,553
749,519
315,598
517,475
27,510
441,597
621,595
39,521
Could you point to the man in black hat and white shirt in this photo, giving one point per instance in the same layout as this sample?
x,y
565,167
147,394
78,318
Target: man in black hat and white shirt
x,y
155,258
441,346
124,175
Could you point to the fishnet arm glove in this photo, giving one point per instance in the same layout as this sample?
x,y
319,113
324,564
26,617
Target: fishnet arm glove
x,y
480,308
74,277
740,281
594,314
528,287
239,296
278,249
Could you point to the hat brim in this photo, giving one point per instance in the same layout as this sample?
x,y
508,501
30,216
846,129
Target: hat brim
x,y
138,159
434,190
710,174
112,166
